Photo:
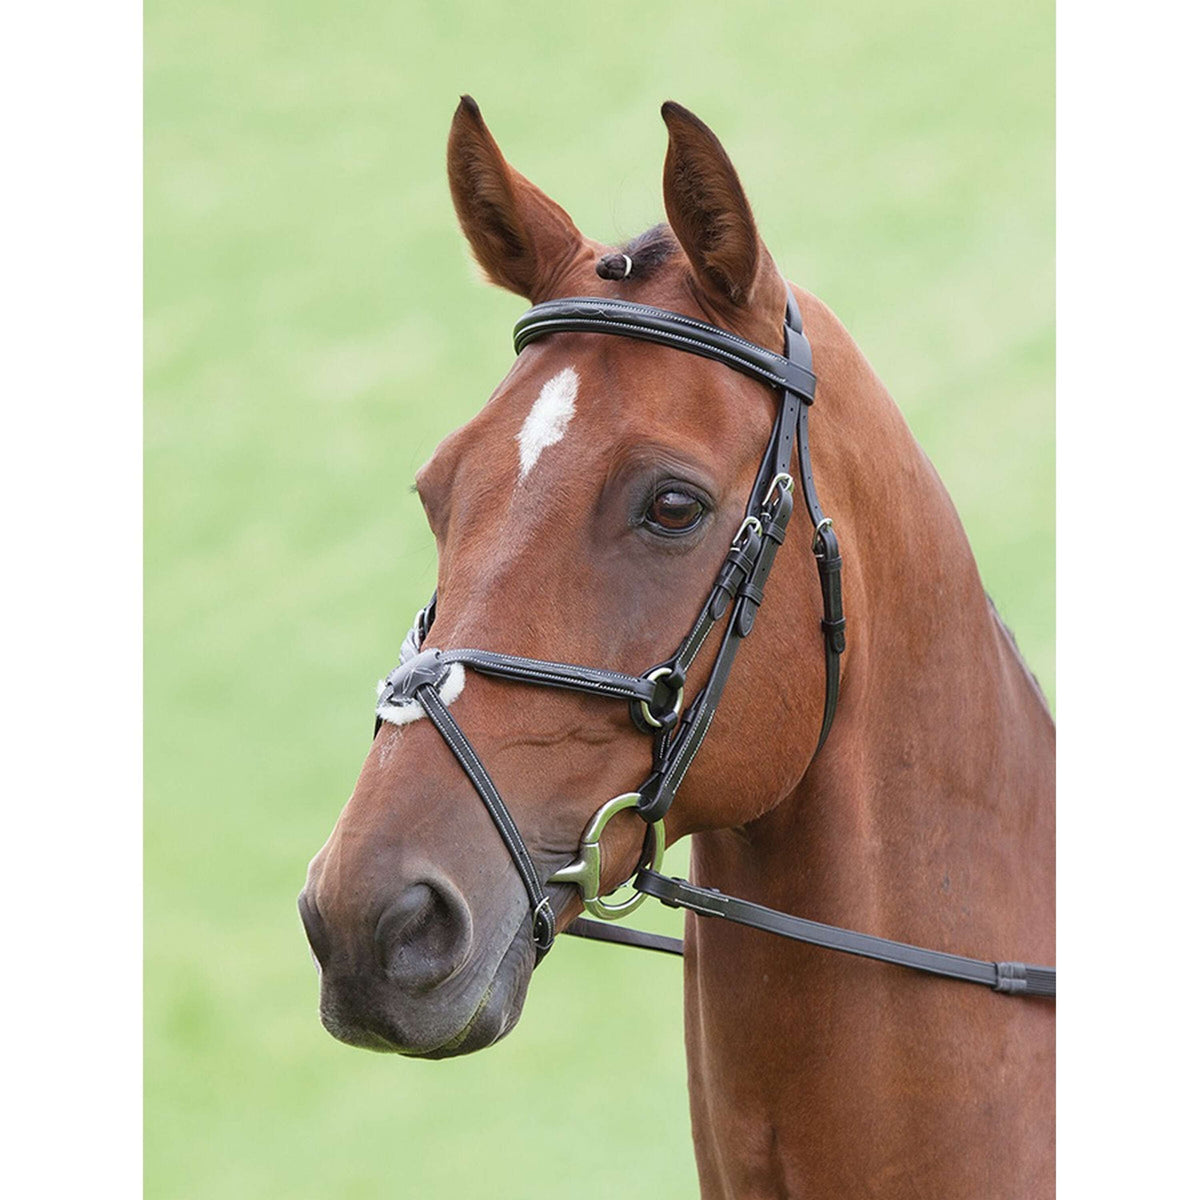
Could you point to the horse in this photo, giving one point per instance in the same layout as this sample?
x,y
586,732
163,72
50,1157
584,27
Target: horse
x,y
584,513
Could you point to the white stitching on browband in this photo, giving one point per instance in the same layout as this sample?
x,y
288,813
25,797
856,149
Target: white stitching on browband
x,y
679,340
533,673
630,307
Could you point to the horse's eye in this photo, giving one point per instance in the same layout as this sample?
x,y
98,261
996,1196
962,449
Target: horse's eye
x,y
675,511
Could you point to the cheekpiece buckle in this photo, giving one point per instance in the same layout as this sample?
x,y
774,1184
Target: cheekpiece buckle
x,y
750,524
783,482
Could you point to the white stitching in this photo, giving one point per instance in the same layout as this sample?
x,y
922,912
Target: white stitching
x,y
679,772
625,687
632,308
753,361
462,749
667,337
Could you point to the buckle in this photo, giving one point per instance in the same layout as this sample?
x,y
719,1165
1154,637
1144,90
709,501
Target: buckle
x,y
543,925
750,523
784,482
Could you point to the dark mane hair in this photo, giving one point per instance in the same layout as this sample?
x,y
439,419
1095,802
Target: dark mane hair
x,y
640,255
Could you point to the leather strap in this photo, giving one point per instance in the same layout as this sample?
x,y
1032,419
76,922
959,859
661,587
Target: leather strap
x,y
595,680
1010,978
539,902
602,931
1013,978
587,314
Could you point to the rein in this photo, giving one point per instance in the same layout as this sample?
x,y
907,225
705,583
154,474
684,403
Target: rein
x,y
655,698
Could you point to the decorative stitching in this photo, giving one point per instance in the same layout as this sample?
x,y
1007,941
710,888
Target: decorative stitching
x,y
631,307
588,679
468,760
664,337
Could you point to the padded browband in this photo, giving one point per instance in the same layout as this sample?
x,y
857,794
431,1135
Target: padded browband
x,y
586,314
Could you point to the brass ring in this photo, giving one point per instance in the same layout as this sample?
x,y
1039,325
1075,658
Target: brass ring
x,y
584,872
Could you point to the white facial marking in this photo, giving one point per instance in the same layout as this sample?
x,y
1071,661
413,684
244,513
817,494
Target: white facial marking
x,y
547,420
404,714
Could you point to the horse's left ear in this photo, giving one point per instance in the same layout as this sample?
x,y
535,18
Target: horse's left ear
x,y
711,216
520,237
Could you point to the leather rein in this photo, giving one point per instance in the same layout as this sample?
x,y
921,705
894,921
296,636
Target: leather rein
x,y
655,698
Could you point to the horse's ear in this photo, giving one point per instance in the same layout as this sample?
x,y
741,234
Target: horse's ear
x,y
519,236
709,212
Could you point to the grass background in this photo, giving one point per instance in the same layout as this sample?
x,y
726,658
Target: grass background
x,y
313,329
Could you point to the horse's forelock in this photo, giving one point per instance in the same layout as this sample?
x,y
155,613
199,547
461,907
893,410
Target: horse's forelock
x,y
640,256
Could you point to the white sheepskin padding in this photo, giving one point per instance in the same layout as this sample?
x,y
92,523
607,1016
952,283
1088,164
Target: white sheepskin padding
x,y
411,710
548,418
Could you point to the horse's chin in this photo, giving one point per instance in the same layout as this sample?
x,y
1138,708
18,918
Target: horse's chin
x,y
478,1014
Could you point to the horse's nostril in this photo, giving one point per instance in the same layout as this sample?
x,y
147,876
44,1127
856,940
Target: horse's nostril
x,y
314,929
424,936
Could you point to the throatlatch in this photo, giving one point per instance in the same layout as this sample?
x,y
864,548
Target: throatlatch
x,y
655,698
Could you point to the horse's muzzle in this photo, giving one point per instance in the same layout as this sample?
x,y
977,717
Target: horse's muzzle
x,y
415,982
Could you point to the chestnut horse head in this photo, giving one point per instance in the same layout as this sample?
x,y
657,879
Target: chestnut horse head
x,y
581,517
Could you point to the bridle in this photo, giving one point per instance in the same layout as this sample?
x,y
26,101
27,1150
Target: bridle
x,y
655,698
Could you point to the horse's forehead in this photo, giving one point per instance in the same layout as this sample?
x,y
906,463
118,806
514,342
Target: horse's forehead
x,y
577,405
548,418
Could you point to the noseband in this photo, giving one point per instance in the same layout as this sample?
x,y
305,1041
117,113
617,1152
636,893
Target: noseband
x,y
655,698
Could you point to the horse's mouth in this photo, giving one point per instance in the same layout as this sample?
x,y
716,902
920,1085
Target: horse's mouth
x,y
386,1019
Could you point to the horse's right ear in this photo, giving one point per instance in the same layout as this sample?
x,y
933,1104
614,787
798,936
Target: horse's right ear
x,y
519,236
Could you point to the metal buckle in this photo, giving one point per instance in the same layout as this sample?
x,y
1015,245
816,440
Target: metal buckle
x,y
749,523
823,523
676,707
584,872
545,912
784,482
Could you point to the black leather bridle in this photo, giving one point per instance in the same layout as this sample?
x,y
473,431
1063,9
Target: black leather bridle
x,y
655,697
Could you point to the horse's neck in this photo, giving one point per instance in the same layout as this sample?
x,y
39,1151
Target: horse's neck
x,y
935,787
927,817
938,773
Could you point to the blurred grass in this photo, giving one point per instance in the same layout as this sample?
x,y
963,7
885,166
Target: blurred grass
x,y
313,329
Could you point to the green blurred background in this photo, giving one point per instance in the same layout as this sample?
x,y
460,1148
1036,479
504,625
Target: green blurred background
x,y
313,328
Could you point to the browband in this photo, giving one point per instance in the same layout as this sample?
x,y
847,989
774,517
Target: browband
x,y
585,314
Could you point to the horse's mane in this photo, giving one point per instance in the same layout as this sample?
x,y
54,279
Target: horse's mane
x,y
1012,641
